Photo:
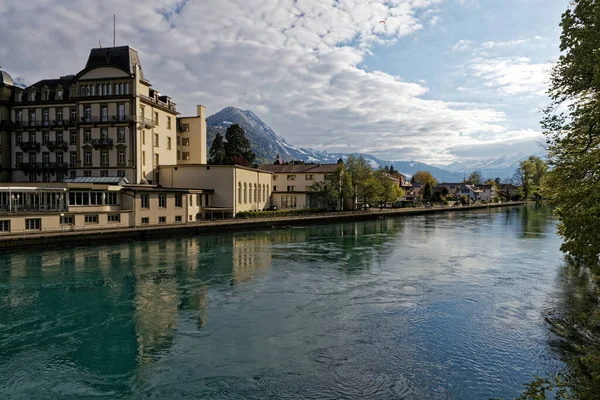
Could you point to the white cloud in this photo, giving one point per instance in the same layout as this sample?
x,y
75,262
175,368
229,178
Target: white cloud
x,y
295,63
492,44
462,45
512,75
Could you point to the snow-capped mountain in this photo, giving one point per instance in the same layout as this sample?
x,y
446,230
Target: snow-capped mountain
x,y
501,167
266,144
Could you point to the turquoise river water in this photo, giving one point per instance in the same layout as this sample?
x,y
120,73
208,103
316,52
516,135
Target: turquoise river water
x,y
445,306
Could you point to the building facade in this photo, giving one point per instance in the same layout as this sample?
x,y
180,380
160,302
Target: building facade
x,y
105,121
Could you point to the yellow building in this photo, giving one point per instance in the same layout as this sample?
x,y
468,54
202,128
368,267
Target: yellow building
x,y
292,183
235,188
105,121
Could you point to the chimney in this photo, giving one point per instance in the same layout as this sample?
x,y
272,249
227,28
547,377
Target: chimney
x,y
201,111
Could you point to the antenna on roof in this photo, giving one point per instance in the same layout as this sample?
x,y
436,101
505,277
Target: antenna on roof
x,y
114,29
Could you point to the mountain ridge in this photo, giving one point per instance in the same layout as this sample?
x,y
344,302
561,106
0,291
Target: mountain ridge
x,y
267,144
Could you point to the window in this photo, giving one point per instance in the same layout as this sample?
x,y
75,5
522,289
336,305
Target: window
x,y
309,177
291,188
46,158
33,224
32,157
59,115
156,118
67,220
19,97
168,122
121,173
126,88
45,117
121,157
114,217
19,158
92,90
291,177
245,193
73,158
178,200
120,134
239,192
145,221
143,158
185,127
91,219
44,95
156,140
104,133
73,115
143,137
250,192
162,220
185,141
87,113
185,155
156,159
87,136
45,137
103,112
103,173
274,188
32,118
73,138
112,199
162,201
178,141
59,137
87,157
121,112
5,225
99,88
168,143
288,201
32,96
87,174
72,174
19,115
104,157
145,201
178,218
59,94
19,138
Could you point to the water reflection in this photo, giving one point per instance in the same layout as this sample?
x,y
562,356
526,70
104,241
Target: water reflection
x,y
432,306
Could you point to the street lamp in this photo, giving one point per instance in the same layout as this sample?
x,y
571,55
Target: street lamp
x,y
62,226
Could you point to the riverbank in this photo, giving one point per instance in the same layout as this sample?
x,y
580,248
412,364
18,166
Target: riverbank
x,y
87,236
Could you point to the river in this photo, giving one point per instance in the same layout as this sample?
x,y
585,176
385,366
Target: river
x,y
440,306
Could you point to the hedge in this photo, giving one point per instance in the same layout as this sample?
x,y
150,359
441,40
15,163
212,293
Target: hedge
x,y
278,213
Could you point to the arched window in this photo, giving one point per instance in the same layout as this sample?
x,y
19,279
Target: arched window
x,y
264,193
260,196
255,194
126,88
250,194
245,193
240,192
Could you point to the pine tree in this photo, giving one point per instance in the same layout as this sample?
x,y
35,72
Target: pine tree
x,y
237,146
216,155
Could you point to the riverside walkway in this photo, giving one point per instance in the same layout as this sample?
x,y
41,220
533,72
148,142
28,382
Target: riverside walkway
x,y
90,234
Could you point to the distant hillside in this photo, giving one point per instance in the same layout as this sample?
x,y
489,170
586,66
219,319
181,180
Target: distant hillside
x,y
266,144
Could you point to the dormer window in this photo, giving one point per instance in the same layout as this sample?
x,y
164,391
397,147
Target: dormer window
x,y
45,95
32,96
19,97
59,94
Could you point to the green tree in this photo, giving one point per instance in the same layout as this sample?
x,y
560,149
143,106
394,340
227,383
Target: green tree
x,y
424,177
572,128
327,192
387,186
360,173
216,155
428,193
391,168
237,148
475,178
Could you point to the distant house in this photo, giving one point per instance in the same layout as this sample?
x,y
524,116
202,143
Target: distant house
x,y
471,191
404,183
452,188
292,183
487,192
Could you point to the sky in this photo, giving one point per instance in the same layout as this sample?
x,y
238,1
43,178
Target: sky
x,y
438,81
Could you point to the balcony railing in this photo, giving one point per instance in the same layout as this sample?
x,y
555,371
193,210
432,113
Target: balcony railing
x,y
57,146
146,121
169,106
102,143
40,166
29,146
107,119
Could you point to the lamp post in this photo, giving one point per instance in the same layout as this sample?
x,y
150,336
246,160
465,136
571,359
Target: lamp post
x,y
62,226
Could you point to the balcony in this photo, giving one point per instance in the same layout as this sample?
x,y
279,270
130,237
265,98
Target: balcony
x,y
52,146
169,106
29,146
103,143
38,166
107,119
149,123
